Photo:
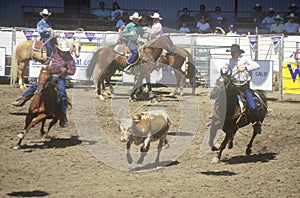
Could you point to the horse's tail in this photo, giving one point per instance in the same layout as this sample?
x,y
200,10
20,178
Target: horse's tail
x,y
14,66
191,67
89,71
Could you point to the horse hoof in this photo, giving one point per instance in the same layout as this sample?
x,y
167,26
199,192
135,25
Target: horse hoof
x,y
101,98
16,147
248,152
172,94
230,145
21,135
215,147
215,160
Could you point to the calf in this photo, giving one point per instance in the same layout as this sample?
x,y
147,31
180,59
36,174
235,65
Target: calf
x,y
144,128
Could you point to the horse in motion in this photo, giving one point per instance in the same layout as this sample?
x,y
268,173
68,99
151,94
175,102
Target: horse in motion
x,y
35,50
44,105
175,59
106,61
231,113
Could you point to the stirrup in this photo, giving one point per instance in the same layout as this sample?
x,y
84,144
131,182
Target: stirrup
x,y
19,102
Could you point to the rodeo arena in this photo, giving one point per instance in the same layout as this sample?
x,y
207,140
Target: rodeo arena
x,y
193,114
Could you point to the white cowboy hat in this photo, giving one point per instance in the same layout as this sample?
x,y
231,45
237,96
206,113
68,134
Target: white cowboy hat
x,y
156,16
292,15
63,46
135,16
278,17
45,12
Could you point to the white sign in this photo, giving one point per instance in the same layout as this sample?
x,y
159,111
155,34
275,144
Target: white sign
x,y
262,78
2,61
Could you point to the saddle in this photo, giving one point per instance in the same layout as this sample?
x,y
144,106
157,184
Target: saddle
x,y
39,46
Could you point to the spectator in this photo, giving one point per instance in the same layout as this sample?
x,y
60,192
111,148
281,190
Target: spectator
x,y
268,20
102,11
292,9
116,9
120,20
219,26
203,26
257,15
291,27
185,17
156,30
217,13
277,27
231,31
184,29
203,12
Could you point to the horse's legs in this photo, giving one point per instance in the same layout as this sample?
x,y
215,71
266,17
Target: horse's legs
x,y
42,132
222,147
21,70
128,144
249,146
28,125
180,81
98,92
148,83
53,121
162,140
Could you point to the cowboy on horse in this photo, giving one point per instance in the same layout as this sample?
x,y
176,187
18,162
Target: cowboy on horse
x,y
239,70
44,28
131,33
61,65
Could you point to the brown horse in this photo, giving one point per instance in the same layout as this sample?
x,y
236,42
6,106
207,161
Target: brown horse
x,y
175,59
44,105
35,50
228,115
105,62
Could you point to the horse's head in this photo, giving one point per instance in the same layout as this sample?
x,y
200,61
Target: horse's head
x,y
45,77
76,47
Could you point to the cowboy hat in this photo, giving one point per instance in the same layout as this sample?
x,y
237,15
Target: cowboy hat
x,y
257,6
45,12
271,10
235,48
278,17
156,16
292,15
64,46
293,6
135,16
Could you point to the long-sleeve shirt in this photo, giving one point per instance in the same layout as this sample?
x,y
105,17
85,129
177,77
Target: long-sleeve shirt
x,y
241,61
156,30
130,31
42,28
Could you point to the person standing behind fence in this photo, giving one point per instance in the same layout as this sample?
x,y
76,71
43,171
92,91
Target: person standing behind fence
x,y
116,9
277,27
268,20
102,11
44,28
291,27
257,15
156,29
184,29
203,26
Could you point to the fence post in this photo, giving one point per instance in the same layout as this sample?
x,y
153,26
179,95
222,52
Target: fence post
x,y
13,43
280,56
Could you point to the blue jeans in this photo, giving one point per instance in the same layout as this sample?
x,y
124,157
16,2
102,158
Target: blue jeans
x,y
48,46
62,92
249,95
134,51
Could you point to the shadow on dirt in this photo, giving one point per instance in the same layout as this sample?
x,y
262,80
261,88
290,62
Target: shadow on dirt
x,y
264,157
218,173
54,143
155,165
35,193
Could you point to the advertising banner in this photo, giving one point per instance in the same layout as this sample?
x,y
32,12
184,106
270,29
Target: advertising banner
x,y
262,78
291,77
2,61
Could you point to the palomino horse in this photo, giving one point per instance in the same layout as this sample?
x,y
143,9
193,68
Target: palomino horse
x,y
105,62
26,51
44,105
175,59
228,115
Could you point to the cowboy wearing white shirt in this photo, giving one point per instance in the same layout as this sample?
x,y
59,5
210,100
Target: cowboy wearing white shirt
x,y
156,30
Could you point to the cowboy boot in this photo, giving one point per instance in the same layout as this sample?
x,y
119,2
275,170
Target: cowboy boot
x,y
21,101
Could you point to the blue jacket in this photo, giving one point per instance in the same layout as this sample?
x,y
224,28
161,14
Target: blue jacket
x,y
42,27
130,31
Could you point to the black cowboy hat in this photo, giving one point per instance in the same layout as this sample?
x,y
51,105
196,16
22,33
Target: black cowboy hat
x,y
293,6
257,6
235,48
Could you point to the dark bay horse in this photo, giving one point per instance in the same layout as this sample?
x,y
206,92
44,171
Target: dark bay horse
x,y
105,62
30,50
44,105
228,115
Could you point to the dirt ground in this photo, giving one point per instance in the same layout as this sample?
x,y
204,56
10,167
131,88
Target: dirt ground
x,y
66,167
